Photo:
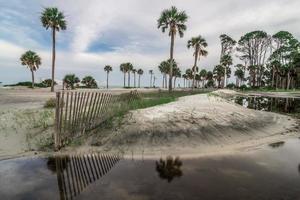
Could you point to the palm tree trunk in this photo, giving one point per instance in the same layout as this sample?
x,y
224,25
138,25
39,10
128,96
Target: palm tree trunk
x,y
225,78
273,77
124,79
194,70
171,61
32,78
139,80
129,79
163,81
53,58
288,81
150,80
134,79
107,80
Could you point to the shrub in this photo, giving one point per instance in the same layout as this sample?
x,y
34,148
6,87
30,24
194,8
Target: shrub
x,y
231,85
50,103
47,82
243,87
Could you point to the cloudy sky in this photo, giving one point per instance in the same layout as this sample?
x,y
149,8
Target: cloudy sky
x,y
102,32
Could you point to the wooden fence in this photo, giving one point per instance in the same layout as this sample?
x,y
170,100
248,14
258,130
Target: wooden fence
x,y
77,172
78,112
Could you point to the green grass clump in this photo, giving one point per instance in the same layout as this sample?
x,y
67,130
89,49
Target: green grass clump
x,y
50,103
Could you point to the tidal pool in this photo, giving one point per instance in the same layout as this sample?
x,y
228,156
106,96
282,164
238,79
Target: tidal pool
x,y
270,172
272,104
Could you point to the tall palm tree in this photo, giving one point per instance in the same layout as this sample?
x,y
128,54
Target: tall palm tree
x,y
123,68
151,73
134,72
108,69
32,61
199,44
54,19
140,73
129,67
174,21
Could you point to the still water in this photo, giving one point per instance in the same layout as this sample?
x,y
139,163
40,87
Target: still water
x,y
271,172
273,104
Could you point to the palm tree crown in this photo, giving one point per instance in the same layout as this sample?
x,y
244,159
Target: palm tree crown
x,y
173,20
53,18
108,68
31,60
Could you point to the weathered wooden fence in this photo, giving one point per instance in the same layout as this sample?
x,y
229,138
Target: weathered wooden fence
x,y
77,172
78,112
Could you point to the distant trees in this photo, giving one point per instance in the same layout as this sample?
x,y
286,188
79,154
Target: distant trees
x,y
70,80
227,45
173,21
126,68
32,61
55,20
134,72
89,82
199,44
108,69
140,73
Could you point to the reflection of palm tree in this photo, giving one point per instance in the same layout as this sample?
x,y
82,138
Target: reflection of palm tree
x,y
169,168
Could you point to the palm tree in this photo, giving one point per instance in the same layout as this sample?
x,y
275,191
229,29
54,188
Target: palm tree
x,y
33,61
108,69
203,74
129,67
218,73
140,73
239,73
70,80
134,72
199,44
54,19
174,21
164,68
123,69
89,82
151,73
226,61
189,74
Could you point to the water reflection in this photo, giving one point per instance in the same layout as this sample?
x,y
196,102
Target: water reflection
x,y
274,104
277,144
169,168
76,172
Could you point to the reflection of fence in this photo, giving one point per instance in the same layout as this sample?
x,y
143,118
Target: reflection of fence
x,y
78,112
75,173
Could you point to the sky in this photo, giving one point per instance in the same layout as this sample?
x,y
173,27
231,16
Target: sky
x,y
110,32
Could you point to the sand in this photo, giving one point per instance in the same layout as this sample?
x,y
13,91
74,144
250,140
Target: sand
x,y
194,125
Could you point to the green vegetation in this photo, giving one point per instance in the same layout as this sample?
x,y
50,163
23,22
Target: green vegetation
x,y
89,82
32,61
55,20
50,103
70,80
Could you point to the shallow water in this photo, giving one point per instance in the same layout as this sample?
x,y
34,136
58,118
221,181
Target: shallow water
x,y
271,172
273,104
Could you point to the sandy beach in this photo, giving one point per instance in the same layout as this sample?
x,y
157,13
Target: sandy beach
x,y
195,125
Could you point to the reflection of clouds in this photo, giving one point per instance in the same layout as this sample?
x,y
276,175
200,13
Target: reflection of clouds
x,y
169,168
20,177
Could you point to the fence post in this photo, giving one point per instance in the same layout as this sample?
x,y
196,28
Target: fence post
x,y
57,122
